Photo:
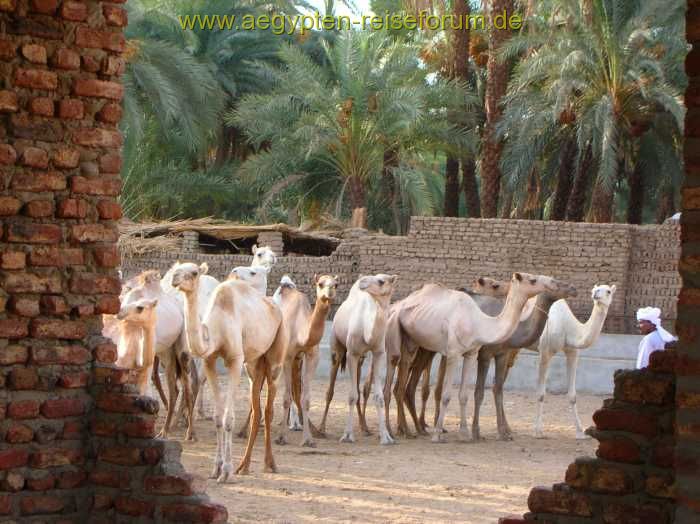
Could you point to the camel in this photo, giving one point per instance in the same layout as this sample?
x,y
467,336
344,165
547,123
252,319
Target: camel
x,y
241,326
359,327
169,323
563,332
256,276
449,322
305,331
263,256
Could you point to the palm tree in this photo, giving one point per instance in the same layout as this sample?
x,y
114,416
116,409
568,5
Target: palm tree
x,y
367,112
596,84
496,85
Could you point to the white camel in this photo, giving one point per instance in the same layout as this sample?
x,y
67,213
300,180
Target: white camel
x,y
449,322
359,327
241,326
563,332
256,276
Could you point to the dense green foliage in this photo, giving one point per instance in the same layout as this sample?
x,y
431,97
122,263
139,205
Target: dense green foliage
x,y
248,125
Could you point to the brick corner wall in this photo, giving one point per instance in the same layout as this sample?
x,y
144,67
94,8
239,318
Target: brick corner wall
x,y
75,442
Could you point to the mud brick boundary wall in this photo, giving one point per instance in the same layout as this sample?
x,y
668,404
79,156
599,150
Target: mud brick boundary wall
x,y
641,260
75,441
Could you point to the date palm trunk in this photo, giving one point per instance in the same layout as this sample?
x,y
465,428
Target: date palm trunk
x,y
470,187
567,158
496,84
576,206
635,205
451,187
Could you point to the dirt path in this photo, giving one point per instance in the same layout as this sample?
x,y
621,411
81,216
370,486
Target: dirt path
x,y
413,481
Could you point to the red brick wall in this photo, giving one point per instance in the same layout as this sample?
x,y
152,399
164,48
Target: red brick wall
x,y
688,323
74,439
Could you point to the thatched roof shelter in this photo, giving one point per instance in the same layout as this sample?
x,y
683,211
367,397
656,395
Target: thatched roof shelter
x,y
136,238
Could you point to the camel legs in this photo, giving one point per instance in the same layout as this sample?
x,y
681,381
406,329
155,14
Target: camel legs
x,y
353,395
541,390
399,393
438,388
308,369
155,378
210,370
289,363
446,395
388,382
419,368
425,391
171,381
571,365
271,379
465,391
482,371
499,380
187,391
256,371
378,365
361,409
336,349
295,410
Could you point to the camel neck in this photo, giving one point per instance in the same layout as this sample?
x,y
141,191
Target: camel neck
x,y
317,322
499,328
529,331
192,327
590,331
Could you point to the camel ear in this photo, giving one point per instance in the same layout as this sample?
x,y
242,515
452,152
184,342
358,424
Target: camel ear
x,y
315,278
255,248
613,288
203,268
393,278
335,277
518,277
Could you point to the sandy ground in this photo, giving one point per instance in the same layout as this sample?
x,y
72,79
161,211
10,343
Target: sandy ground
x,y
412,481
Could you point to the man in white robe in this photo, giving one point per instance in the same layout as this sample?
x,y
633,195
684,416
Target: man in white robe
x,y
655,336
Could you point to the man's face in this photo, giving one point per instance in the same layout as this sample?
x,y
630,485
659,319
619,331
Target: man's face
x,y
646,327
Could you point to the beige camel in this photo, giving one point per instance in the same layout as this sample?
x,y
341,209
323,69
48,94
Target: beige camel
x,y
241,326
449,322
136,325
305,331
168,343
359,327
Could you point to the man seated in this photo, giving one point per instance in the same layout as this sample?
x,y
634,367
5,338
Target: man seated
x,y
655,336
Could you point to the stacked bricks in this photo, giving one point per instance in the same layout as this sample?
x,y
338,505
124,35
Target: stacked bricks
x,y
60,431
190,242
632,478
274,239
59,158
688,323
640,260
134,477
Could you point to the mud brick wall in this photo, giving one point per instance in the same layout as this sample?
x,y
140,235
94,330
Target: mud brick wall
x,y
60,94
632,477
640,260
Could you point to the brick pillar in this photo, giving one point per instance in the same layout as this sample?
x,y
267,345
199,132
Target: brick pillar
x,y
190,242
274,239
688,322
60,159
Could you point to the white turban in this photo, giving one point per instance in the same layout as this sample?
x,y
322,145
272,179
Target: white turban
x,y
653,315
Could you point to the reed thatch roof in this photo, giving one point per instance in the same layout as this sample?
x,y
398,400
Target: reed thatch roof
x,y
137,238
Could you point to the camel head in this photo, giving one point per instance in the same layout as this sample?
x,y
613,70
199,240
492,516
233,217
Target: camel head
x,y
602,294
263,256
378,286
150,280
140,311
490,287
532,285
256,276
186,276
326,287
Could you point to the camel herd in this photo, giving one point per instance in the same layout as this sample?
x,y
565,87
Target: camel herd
x,y
187,320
